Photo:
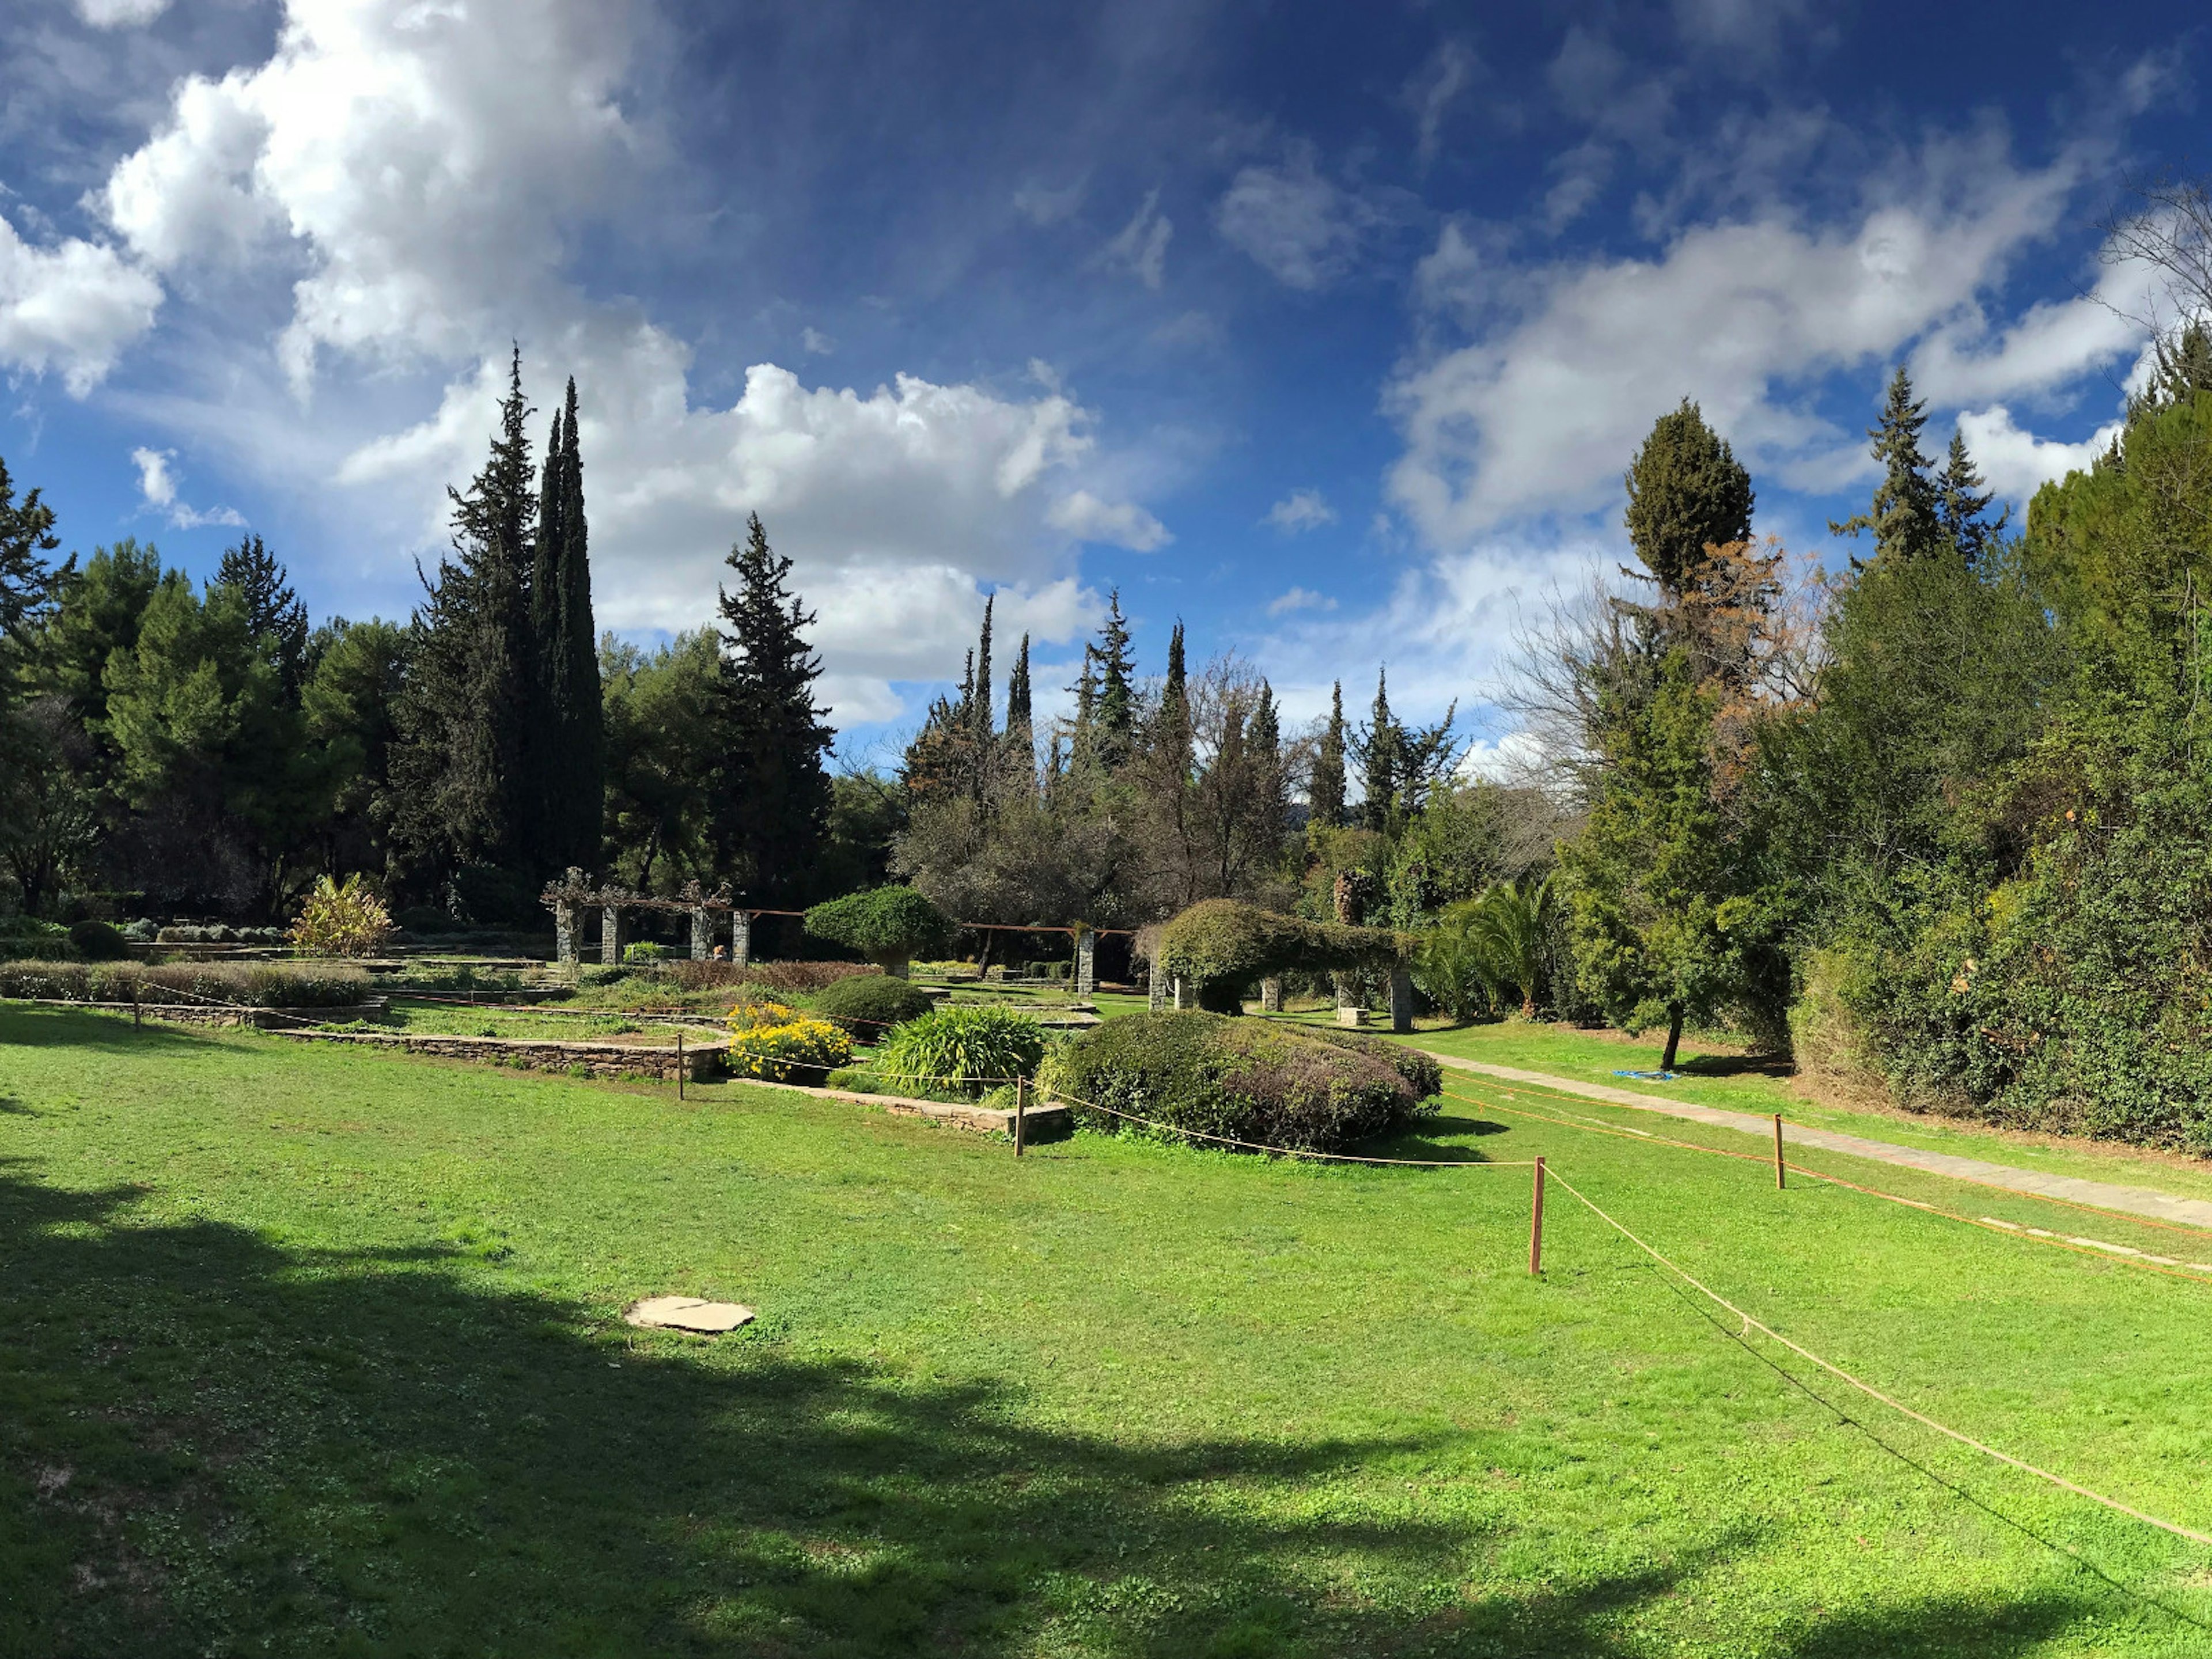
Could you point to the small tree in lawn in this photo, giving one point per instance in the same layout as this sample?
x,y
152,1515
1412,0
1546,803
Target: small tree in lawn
x,y
341,920
890,926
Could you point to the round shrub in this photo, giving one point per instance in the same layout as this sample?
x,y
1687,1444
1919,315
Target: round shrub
x,y
889,926
1424,1073
803,1051
97,941
968,1049
869,1004
1268,1084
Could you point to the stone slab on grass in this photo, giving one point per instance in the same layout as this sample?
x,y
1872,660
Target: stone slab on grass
x,y
688,1313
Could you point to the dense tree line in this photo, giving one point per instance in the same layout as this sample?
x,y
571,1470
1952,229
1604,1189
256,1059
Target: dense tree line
x,y
173,748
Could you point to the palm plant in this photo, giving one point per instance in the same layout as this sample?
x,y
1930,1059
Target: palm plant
x,y
1484,948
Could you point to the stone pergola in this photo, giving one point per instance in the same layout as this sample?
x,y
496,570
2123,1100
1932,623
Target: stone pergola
x,y
569,898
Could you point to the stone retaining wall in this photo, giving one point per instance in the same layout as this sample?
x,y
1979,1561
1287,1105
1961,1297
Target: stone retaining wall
x,y
268,1019
702,1064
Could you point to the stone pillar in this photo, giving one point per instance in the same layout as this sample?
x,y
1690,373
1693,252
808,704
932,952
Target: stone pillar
x,y
741,937
1401,998
1179,992
1086,963
564,933
1156,984
1348,1009
1271,994
610,935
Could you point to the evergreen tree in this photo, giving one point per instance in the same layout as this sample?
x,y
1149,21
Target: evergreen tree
x,y
1020,741
1685,492
1906,516
1960,501
27,580
1117,711
1381,746
273,611
979,698
1175,733
462,794
1325,789
569,756
773,803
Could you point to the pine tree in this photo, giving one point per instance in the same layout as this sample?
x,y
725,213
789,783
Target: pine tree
x,y
1117,711
773,803
27,581
1685,492
1960,501
1325,789
1906,517
462,793
1380,744
273,611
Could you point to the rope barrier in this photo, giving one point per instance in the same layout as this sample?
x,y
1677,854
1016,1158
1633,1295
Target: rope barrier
x,y
1294,1152
1868,1389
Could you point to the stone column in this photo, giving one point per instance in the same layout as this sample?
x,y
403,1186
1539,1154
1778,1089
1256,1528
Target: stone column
x,y
741,937
703,934
1348,1009
564,933
610,935
1086,963
1401,998
1271,994
1179,992
1157,986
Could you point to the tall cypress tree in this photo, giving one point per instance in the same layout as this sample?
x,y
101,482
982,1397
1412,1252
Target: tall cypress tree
x,y
980,710
1117,711
1380,745
1325,789
773,803
1906,516
462,792
1685,491
1175,733
1020,741
567,759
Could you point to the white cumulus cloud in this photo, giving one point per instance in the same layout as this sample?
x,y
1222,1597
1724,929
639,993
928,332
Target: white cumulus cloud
x,y
1302,509
157,489
120,13
71,307
1084,517
1299,598
2016,463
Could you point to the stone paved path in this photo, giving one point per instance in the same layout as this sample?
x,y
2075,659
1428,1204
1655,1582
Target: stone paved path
x,y
2104,1194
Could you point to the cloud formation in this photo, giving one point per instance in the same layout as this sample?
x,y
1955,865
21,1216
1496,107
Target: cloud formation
x,y
1302,509
71,308
1141,245
1304,229
157,489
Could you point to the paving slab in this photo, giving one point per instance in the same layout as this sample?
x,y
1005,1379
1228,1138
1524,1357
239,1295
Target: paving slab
x,y
688,1313
2104,1194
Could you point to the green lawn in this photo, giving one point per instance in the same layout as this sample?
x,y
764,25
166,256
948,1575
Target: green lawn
x,y
310,1351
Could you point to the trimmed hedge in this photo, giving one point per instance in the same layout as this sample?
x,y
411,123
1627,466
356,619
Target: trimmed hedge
x,y
251,984
98,941
1424,1072
1223,944
869,1005
889,926
1264,1083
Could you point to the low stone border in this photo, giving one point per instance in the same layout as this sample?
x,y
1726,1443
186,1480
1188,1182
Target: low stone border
x,y
1039,1122
701,1063
268,1019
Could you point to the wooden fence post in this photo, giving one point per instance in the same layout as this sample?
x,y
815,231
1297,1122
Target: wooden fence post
x,y
1021,1109
1779,1181
679,1062
1536,1224
134,1005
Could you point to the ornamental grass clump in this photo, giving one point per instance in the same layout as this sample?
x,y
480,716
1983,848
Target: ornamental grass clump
x,y
1262,1083
967,1050
800,1050
340,921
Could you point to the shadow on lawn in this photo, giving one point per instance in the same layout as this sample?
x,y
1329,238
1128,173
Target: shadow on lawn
x,y
209,1443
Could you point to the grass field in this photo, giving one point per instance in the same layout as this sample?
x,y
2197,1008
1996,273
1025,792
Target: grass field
x,y
306,1351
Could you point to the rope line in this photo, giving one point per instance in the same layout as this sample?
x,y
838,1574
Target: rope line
x,y
1293,1152
1868,1389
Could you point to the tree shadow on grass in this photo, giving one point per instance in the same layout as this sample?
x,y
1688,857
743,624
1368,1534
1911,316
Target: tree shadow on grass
x,y
28,1026
212,1444
1736,1065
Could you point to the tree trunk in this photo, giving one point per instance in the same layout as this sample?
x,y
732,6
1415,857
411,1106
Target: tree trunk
x,y
1674,1035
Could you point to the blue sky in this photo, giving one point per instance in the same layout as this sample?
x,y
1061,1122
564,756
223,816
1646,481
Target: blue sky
x,y
1327,329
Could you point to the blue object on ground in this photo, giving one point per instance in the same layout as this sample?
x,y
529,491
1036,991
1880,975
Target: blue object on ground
x,y
1652,1077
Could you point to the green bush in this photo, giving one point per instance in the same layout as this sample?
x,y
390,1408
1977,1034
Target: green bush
x,y
1222,945
889,926
1268,1083
869,1005
969,1049
27,938
1422,1072
644,953
338,919
97,941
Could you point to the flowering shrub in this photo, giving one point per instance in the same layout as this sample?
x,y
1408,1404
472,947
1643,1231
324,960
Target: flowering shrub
x,y
750,1015
341,921
799,1051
